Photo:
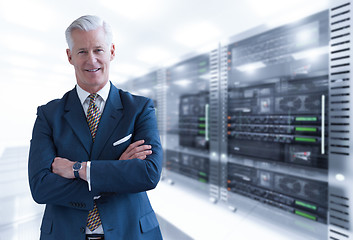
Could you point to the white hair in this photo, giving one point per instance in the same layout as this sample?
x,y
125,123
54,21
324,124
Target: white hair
x,y
88,23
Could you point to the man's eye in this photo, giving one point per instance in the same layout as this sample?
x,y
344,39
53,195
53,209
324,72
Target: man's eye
x,y
81,52
99,50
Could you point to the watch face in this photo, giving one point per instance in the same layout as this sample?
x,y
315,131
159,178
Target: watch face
x,y
77,166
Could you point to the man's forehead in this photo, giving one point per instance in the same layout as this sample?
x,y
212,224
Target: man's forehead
x,y
85,39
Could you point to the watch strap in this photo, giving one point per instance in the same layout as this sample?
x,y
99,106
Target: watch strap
x,y
77,175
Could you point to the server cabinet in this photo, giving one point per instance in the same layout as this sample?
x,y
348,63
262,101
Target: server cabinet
x,y
275,119
340,119
187,122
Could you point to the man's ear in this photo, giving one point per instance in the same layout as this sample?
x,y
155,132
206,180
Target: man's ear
x,y
112,52
68,53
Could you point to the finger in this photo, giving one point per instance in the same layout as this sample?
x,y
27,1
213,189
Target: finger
x,y
137,150
141,148
136,154
134,145
141,154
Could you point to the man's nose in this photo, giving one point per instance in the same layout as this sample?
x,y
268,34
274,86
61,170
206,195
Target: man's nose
x,y
92,58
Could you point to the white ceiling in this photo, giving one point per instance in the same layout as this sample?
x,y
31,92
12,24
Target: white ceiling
x,y
147,33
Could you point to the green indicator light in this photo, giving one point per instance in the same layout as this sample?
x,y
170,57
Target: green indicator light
x,y
202,119
201,64
202,70
202,180
305,129
202,174
202,125
307,119
303,214
302,139
303,204
202,132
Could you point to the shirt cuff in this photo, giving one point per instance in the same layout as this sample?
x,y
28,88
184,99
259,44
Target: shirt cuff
x,y
88,174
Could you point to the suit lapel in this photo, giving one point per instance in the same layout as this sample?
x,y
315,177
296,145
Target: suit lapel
x,y
76,118
110,119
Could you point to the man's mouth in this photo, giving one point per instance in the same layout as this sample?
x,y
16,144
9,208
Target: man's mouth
x,y
93,70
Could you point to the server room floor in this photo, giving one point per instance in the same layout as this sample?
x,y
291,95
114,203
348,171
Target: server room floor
x,y
183,213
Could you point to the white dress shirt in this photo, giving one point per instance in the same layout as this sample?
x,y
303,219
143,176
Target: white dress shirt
x,y
100,102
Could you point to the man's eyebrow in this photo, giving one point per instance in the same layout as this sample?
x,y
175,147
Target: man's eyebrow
x,y
81,49
85,49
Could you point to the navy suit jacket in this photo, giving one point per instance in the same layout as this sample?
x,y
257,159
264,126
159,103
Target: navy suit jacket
x,y
61,130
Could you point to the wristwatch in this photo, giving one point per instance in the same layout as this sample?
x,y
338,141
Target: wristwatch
x,y
76,167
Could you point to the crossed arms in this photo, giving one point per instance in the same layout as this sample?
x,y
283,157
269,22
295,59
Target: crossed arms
x,y
63,167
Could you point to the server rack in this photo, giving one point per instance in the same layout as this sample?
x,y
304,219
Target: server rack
x,y
187,157
278,137
340,117
276,118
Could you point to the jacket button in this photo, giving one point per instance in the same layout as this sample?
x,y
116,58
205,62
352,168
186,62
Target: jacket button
x,y
83,230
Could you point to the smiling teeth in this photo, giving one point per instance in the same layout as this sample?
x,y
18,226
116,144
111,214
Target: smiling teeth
x,y
93,70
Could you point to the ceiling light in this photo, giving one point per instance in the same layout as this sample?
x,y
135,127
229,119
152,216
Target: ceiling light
x,y
340,177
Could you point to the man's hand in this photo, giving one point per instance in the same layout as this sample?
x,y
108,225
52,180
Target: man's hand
x,y
63,167
136,150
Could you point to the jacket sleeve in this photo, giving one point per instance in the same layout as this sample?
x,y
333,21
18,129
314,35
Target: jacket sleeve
x,y
47,187
134,175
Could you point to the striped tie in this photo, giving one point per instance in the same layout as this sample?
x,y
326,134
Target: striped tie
x,y
93,117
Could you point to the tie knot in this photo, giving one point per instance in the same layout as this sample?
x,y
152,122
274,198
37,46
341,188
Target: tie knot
x,y
92,97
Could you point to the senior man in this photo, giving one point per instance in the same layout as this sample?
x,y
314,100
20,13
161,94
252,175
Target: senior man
x,y
96,151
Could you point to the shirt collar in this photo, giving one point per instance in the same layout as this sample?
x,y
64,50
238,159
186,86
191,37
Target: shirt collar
x,y
103,93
